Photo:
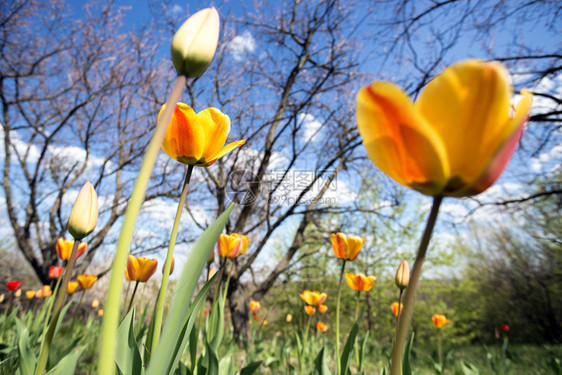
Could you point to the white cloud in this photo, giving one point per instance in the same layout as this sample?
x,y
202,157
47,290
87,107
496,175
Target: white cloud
x,y
242,44
311,126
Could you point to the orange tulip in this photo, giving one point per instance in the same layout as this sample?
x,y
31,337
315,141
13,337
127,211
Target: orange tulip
x,y
314,298
30,294
72,285
439,320
100,313
455,140
55,272
322,309
232,245
346,248
309,310
86,281
394,308
140,269
321,327
264,323
95,304
171,267
359,282
197,138
254,305
44,292
402,275
64,248
288,318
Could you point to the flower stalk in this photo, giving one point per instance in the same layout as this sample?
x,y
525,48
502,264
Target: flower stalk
x,y
338,318
404,321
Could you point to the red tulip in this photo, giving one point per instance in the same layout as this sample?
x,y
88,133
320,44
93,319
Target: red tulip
x,y
13,285
55,272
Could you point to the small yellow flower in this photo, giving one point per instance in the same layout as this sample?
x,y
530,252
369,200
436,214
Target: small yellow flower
x,y
72,285
345,247
314,298
86,281
232,245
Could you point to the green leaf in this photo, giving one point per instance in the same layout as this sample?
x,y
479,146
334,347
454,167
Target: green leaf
x,y
226,366
67,365
27,359
348,348
127,355
320,363
251,368
362,351
177,314
406,368
217,323
213,361
193,339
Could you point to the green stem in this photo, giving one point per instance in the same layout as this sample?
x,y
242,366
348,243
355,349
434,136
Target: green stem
x,y
133,298
338,319
106,360
61,293
404,321
399,304
159,310
355,319
76,311
48,312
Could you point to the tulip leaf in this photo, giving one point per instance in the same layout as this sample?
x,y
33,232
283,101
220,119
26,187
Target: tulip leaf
x,y
67,365
213,361
217,323
406,368
251,368
127,355
320,363
348,348
27,359
193,340
178,314
226,366
362,351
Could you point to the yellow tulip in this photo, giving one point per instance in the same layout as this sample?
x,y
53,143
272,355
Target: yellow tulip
x,y
72,285
314,298
84,215
95,303
232,245
345,247
310,310
288,318
195,43
86,281
402,278
439,320
30,294
197,138
254,305
140,268
360,282
64,248
455,140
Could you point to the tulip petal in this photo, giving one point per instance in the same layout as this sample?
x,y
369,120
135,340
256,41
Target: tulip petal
x,y
496,162
225,150
399,141
216,126
185,138
468,106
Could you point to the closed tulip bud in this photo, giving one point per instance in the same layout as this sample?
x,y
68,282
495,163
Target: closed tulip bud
x,y
84,215
171,267
100,313
55,272
30,294
402,275
2,296
396,309
95,304
310,310
323,309
17,293
195,43
439,320
322,327
212,272
72,285
289,318
211,257
264,323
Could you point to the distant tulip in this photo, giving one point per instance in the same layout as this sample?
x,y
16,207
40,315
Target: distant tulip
x,y
314,298
171,267
402,275
256,316
195,43
211,257
264,323
44,292
309,310
95,304
72,285
13,285
212,272
86,281
64,248
232,245
140,268
30,294
394,308
288,318
455,140
55,272
2,297
322,309
100,313
439,320
345,247
197,138
254,305
84,215
321,327
359,281
505,327
17,294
